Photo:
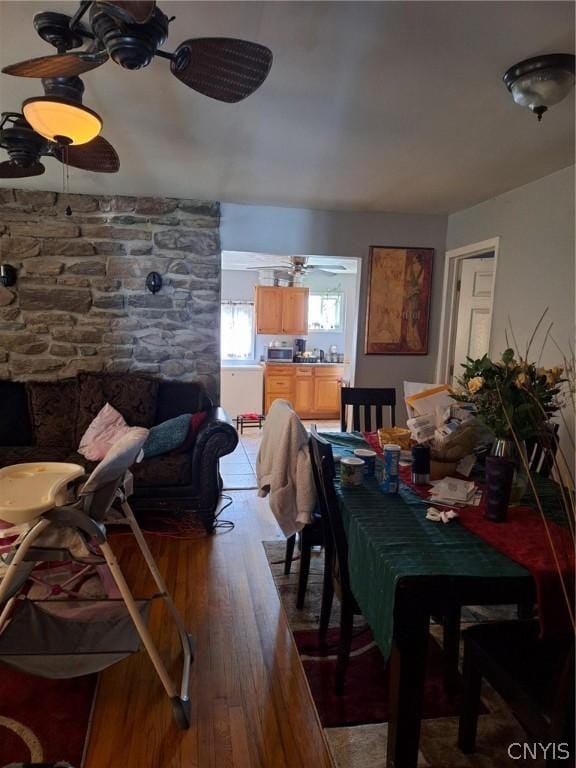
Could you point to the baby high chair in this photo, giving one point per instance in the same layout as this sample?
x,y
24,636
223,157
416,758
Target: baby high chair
x,y
65,607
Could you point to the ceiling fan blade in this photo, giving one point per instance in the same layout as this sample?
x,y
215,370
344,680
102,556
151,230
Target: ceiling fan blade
x,y
226,69
97,155
60,65
11,170
130,11
283,267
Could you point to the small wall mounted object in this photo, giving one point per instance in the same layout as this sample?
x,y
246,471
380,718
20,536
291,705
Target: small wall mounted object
x,y
542,81
398,301
7,275
154,282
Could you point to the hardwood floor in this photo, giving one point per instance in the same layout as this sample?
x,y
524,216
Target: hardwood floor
x,y
251,706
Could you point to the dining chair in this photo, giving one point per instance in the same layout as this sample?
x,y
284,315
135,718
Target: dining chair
x,y
362,399
312,535
336,576
542,451
534,676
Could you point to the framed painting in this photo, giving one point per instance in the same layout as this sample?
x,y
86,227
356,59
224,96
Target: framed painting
x,y
399,288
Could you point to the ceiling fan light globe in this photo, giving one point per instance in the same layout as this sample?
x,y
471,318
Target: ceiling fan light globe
x,y
56,117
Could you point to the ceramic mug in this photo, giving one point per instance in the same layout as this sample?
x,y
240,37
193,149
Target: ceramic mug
x,y
369,459
351,471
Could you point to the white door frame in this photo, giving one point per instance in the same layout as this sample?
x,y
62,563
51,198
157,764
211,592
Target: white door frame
x,y
449,295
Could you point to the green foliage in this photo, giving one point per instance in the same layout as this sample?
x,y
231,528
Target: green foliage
x,y
510,396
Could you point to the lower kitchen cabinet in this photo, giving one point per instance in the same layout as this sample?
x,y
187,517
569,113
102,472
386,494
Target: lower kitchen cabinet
x,y
313,390
327,394
303,390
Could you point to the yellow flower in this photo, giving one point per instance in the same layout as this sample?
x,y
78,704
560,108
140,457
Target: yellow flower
x,y
522,379
553,375
475,384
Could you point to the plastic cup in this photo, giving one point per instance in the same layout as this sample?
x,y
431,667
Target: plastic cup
x,y
351,471
369,459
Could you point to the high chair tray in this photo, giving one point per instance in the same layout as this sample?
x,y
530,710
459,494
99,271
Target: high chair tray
x,y
28,490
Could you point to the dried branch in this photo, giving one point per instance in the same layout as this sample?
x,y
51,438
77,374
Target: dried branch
x,y
524,461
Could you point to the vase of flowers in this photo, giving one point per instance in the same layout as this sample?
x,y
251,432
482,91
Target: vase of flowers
x,y
515,399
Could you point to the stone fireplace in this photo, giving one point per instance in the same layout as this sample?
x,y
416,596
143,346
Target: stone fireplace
x,y
80,302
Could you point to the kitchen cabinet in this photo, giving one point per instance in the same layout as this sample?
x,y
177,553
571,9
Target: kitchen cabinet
x,y
282,311
303,390
313,390
327,394
268,304
295,311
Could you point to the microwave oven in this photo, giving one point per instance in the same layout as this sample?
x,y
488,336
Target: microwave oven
x,y
279,354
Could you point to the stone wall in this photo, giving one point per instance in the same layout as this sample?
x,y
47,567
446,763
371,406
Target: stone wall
x,y
80,301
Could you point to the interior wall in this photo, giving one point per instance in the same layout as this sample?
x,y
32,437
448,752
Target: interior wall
x,y
535,224
80,301
285,231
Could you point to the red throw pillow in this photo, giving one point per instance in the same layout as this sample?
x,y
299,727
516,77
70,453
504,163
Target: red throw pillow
x,y
196,421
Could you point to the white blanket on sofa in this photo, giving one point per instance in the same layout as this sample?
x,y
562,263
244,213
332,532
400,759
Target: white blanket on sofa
x,y
284,469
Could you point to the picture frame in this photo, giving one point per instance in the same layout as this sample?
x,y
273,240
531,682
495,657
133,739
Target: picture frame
x,y
398,301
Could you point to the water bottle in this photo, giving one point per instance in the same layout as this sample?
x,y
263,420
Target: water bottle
x,y
421,465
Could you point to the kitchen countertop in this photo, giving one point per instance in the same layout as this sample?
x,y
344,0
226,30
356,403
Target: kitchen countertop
x,y
257,366
240,366
291,362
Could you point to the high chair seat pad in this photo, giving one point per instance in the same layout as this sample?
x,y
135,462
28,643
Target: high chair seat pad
x,y
28,490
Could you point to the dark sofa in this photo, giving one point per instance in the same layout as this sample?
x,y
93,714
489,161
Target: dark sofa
x,y
44,421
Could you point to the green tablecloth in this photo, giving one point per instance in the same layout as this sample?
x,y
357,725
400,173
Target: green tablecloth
x,y
389,539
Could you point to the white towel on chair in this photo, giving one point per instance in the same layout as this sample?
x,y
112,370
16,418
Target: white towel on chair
x,y
284,469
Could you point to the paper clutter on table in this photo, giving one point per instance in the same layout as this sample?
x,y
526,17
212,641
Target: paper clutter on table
x,y
422,428
440,515
448,427
464,466
451,491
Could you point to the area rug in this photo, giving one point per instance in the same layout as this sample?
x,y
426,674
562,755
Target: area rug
x,y
355,727
44,720
365,698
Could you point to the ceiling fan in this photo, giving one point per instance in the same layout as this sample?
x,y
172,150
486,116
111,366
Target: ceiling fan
x,y
25,147
298,266
131,32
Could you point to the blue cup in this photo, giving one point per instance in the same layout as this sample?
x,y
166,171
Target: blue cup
x,y
369,458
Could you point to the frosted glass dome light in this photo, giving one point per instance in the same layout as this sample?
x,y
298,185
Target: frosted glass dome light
x,y
541,82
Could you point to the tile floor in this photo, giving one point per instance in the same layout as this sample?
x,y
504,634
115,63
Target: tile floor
x,y
238,469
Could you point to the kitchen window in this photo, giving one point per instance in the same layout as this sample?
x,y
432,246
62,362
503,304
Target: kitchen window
x,y
237,330
325,311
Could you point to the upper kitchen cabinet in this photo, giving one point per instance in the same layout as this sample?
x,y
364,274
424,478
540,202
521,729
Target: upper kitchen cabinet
x,y
295,311
281,310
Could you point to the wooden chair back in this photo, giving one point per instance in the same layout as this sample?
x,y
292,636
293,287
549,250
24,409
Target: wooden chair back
x,y
335,535
362,399
542,452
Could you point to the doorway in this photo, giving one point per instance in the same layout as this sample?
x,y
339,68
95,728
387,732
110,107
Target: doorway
x,y
466,323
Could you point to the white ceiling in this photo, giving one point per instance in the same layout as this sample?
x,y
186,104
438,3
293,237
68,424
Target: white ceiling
x,y
395,106
241,260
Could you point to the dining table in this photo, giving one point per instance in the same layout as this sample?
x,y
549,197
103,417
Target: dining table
x,y
405,568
